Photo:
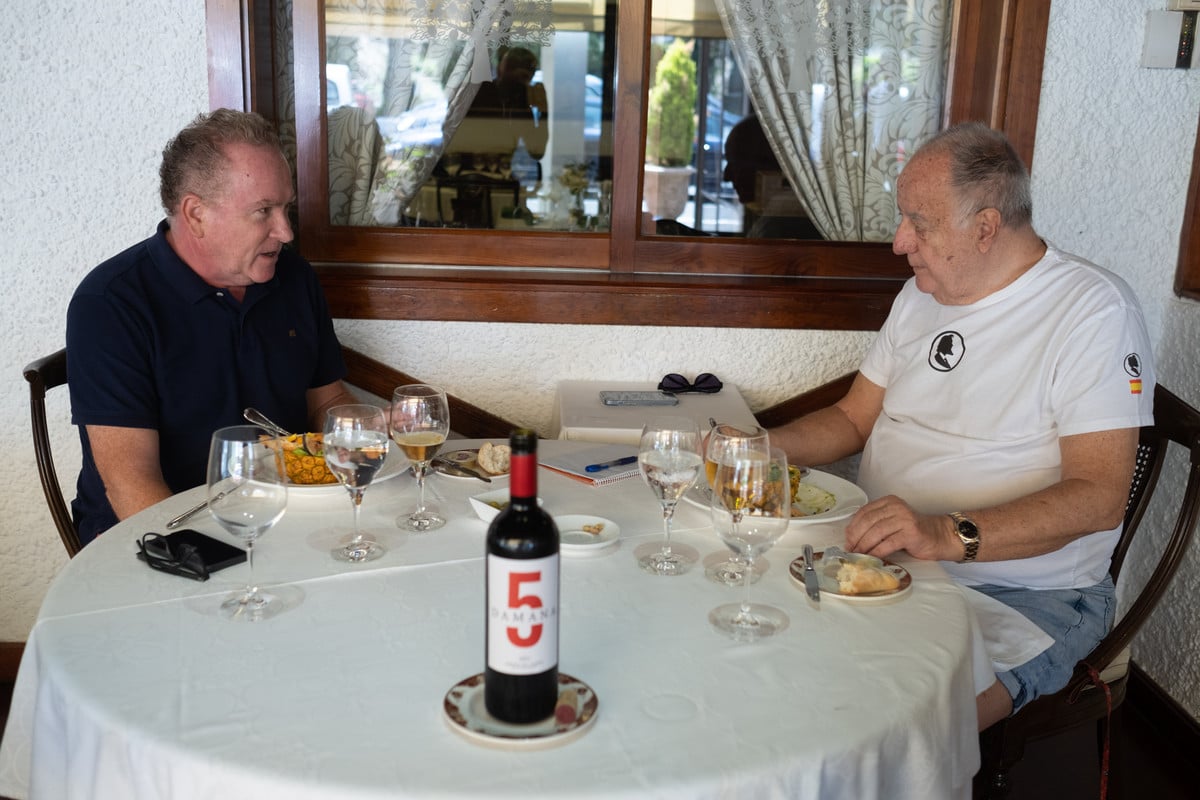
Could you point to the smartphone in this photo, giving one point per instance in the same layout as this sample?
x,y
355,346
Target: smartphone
x,y
638,399
215,553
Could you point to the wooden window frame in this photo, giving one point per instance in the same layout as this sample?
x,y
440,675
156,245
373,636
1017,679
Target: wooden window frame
x,y
622,277
1187,270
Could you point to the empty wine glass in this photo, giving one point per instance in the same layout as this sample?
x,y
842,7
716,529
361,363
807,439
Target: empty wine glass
x,y
729,571
420,425
669,459
247,494
751,508
356,444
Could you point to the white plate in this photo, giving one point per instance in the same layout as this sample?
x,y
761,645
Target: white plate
x,y
829,584
395,463
464,711
850,498
575,541
464,458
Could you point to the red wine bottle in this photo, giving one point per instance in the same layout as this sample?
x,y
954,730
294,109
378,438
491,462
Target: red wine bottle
x,y
521,673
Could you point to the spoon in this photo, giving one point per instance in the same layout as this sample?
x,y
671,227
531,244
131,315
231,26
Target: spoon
x,y
258,418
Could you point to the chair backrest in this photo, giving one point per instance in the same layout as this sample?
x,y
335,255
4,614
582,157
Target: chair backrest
x,y
47,373
1174,421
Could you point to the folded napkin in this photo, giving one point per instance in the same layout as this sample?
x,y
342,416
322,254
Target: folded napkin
x,y
1009,638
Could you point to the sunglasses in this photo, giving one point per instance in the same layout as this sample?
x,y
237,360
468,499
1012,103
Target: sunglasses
x,y
706,383
180,559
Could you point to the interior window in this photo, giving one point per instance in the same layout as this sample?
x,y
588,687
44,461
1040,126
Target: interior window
x,y
434,182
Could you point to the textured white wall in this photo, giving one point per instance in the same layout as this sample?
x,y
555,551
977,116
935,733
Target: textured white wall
x,y
88,116
89,94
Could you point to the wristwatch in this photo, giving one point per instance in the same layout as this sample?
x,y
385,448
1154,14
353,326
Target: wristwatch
x,y
968,532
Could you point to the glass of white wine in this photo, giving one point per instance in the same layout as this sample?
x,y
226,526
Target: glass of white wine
x,y
731,569
356,445
420,425
669,459
751,508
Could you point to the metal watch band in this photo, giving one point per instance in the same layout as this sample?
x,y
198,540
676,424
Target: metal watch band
x,y
968,534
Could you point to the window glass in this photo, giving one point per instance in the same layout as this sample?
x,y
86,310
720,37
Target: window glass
x,y
437,118
808,146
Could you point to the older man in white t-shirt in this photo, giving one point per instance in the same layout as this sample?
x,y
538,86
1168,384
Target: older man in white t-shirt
x,y
997,410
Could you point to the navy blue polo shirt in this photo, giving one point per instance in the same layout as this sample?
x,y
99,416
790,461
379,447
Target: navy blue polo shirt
x,y
151,345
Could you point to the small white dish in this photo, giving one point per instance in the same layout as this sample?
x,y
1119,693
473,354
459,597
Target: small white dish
x,y
483,503
575,539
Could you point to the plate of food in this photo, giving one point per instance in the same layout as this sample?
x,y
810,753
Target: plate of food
x,y
816,496
586,535
490,460
304,458
855,577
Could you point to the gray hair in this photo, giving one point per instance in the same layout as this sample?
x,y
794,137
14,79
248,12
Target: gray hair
x,y
986,172
193,161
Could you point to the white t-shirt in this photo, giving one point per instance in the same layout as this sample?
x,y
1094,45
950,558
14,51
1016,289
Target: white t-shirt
x,y
977,397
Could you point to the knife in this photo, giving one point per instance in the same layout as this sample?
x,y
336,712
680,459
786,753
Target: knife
x,y
811,584
616,462
450,468
191,512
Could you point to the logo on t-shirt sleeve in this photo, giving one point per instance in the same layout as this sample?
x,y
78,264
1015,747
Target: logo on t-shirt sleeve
x,y
946,351
1133,366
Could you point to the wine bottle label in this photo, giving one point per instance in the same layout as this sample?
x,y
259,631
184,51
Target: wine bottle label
x,y
522,614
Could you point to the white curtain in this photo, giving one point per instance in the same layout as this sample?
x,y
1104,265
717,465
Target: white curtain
x,y
449,42
843,91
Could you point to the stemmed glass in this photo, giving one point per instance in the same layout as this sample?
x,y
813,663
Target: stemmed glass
x,y
356,444
247,493
730,572
751,508
420,425
669,459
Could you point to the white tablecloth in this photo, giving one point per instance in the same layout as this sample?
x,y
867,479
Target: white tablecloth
x,y
132,687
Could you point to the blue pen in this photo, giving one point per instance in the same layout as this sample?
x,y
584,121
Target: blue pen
x,y
616,462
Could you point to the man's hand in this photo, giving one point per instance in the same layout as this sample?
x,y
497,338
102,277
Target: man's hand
x,y
888,524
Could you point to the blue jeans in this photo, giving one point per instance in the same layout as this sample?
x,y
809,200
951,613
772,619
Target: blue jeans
x,y
1077,619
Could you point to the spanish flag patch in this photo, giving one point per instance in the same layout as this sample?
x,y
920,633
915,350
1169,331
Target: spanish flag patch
x,y
1135,386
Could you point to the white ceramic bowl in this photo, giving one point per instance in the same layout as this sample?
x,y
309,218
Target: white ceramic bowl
x,y
482,503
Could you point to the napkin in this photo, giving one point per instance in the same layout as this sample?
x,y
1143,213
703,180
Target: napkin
x,y
1009,638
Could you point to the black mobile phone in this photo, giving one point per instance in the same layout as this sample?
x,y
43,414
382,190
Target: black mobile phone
x,y
214,553
650,398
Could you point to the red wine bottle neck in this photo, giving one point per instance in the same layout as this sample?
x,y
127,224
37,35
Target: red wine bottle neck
x,y
523,476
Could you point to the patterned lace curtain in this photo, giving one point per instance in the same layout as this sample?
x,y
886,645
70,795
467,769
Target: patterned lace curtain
x,y
843,90
446,40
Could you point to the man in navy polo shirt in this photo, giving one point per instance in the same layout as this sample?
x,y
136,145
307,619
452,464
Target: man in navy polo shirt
x,y
174,337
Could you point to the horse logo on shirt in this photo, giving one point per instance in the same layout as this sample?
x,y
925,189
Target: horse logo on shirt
x,y
946,351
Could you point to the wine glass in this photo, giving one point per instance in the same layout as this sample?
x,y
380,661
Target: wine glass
x,y
420,425
669,459
730,571
247,493
356,444
751,508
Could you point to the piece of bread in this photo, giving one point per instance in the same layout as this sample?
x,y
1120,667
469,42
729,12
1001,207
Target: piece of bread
x,y
856,578
494,458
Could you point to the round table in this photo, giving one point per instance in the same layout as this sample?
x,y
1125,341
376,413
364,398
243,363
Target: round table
x,y
131,686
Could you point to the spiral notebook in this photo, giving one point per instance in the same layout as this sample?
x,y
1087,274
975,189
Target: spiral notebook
x,y
574,464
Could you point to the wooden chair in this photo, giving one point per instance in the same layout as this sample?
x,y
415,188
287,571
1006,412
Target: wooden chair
x,y
43,374
1097,687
